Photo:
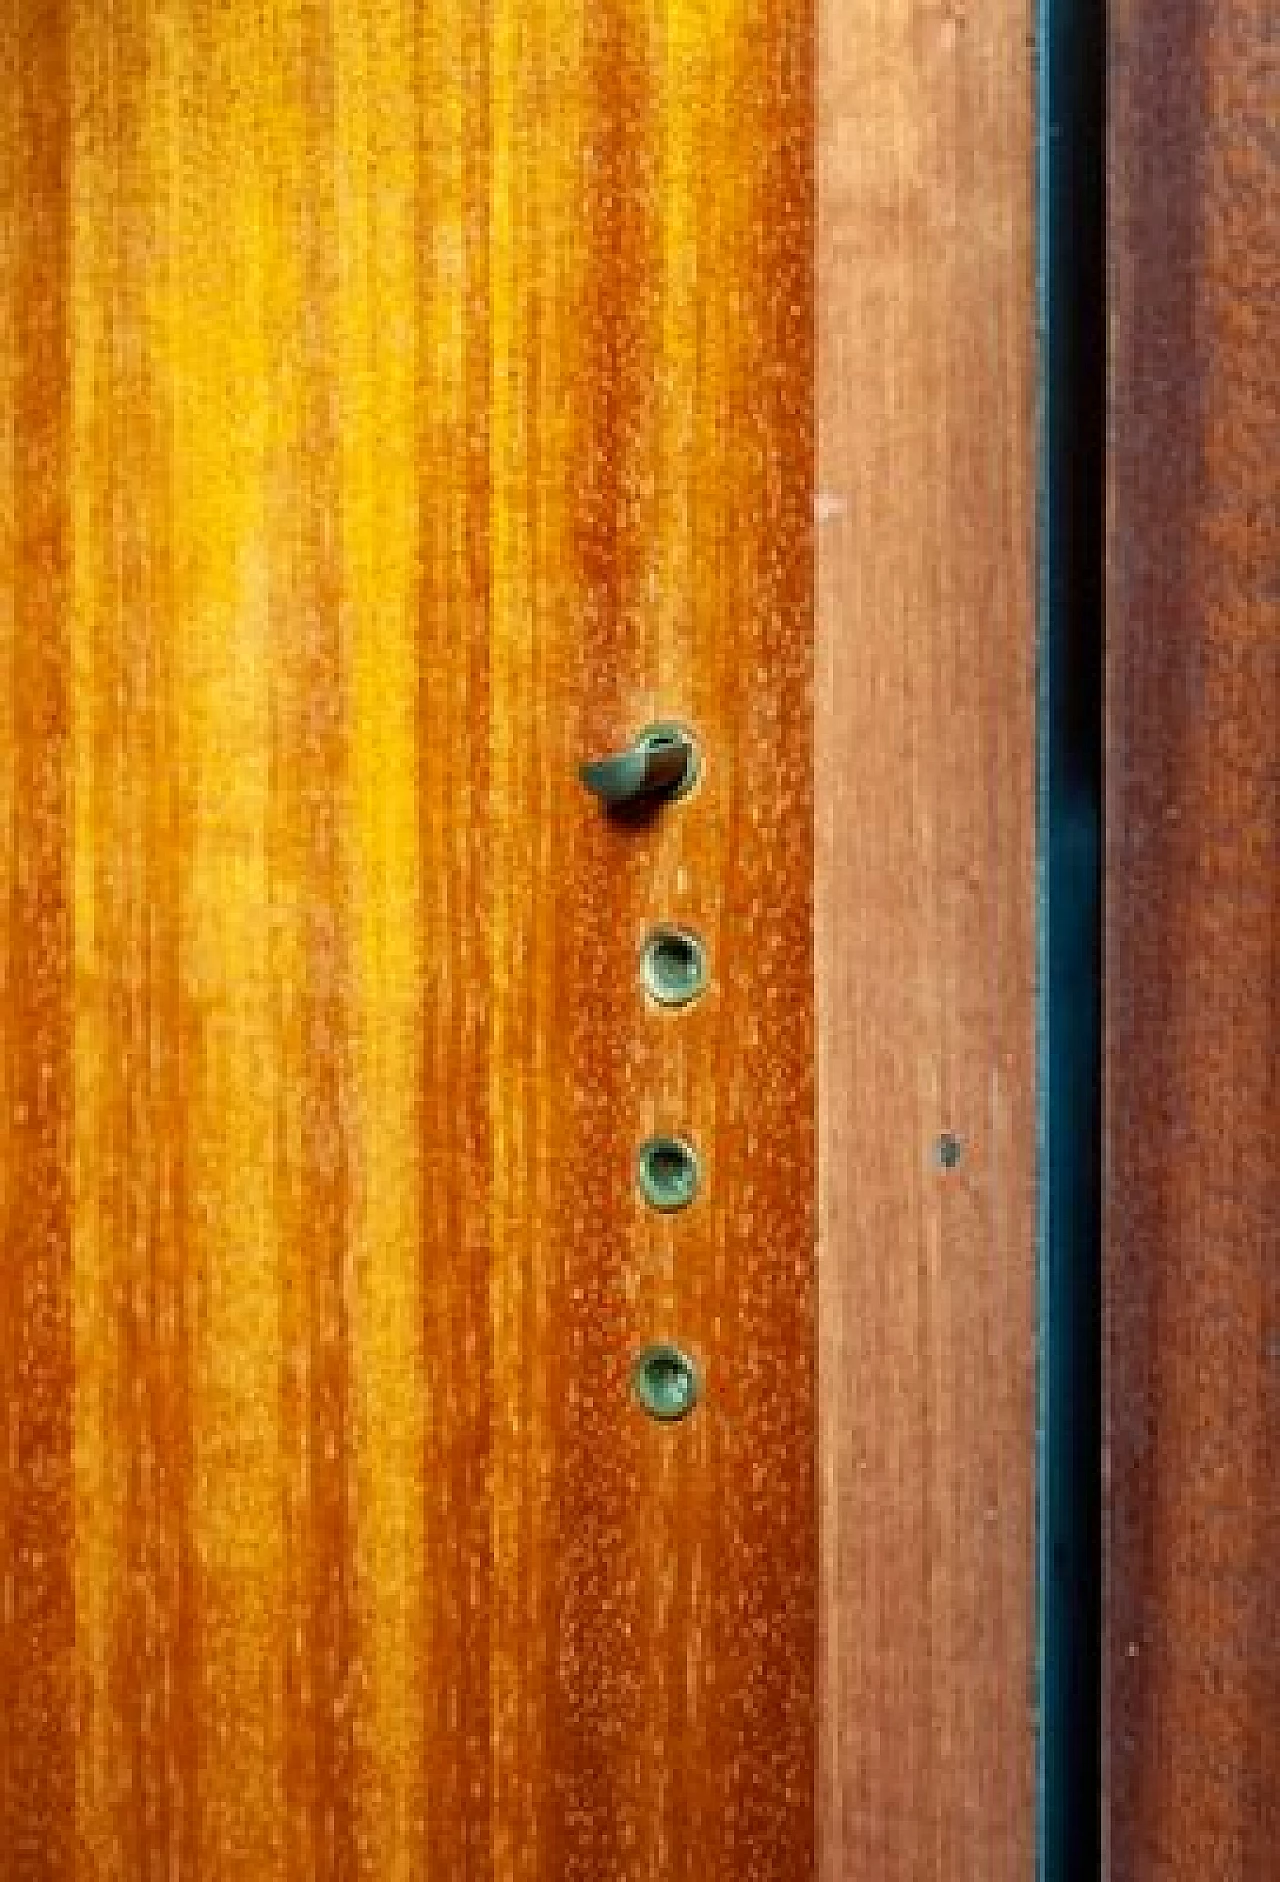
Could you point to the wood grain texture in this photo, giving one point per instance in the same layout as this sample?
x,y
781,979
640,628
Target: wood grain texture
x,y
1192,1676
925,855
37,1505
404,402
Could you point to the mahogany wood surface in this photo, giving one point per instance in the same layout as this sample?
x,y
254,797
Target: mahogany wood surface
x,y
925,900
1192,1183
404,401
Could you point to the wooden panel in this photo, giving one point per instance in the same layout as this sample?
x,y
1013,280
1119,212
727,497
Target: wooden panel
x,y
1192,1671
925,939
406,403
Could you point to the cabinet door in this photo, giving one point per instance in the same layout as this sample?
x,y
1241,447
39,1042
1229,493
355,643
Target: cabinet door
x,y
408,404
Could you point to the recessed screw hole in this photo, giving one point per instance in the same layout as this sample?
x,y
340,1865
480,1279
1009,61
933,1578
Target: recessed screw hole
x,y
668,1173
949,1150
674,966
665,1381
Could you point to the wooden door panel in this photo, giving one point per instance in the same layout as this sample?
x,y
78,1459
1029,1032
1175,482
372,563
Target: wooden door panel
x,y
408,403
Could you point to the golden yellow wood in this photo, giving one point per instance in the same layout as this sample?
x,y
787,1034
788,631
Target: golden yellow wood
x,y
407,402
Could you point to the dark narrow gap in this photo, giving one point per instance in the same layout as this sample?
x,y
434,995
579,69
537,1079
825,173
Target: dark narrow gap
x,y
1071,244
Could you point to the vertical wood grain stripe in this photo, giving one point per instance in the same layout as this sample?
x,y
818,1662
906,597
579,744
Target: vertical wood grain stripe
x,y
410,400
377,124
453,369
600,1619
1191,1672
139,1161
37,1668
235,306
766,1615
310,786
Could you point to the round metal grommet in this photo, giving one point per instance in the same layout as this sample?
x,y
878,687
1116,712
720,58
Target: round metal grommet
x,y
667,1170
665,1382
673,966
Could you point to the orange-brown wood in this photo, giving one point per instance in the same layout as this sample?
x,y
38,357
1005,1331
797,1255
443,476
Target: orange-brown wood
x,y
37,1515
925,791
403,404
1192,1591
